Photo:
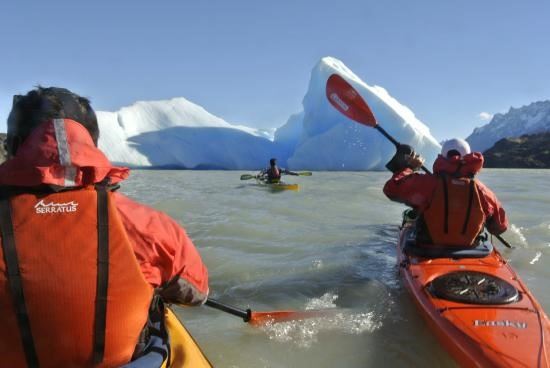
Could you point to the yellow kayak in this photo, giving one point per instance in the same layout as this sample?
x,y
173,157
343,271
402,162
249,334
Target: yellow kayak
x,y
184,351
279,186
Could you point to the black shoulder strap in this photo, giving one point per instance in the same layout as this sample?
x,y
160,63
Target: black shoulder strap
x,y
446,204
470,203
15,282
100,320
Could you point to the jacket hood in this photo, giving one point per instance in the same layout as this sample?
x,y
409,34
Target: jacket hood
x,y
59,152
465,166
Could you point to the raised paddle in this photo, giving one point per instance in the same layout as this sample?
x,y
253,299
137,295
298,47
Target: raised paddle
x,y
261,318
349,102
305,173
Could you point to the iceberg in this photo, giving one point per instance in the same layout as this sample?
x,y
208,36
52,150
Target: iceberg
x,y
178,133
330,141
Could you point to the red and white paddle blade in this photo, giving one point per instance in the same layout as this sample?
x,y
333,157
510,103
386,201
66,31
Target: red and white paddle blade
x,y
348,101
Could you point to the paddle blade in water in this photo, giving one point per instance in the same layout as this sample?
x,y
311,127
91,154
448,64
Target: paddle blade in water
x,y
262,318
348,101
247,177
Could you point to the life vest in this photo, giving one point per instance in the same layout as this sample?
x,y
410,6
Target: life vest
x,y
455,216
273,174
71,290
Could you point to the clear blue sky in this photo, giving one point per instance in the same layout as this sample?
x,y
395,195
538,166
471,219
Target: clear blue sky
x,y
249,61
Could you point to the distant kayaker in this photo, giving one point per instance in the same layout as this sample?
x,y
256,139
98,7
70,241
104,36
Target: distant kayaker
x,y
452,206
273,173
85,269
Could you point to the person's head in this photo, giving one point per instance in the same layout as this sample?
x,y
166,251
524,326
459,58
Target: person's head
x,y
43,104
455,147
273,162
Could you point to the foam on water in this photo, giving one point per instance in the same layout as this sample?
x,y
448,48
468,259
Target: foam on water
x,y
518,231
304,333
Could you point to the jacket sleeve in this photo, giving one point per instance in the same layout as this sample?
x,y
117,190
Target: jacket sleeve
x,y
496,221
413,189
167,256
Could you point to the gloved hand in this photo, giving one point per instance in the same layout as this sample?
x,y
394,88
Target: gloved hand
x,y
405,157
415,161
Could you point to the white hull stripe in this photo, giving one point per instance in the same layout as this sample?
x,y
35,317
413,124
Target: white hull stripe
x,y
63,152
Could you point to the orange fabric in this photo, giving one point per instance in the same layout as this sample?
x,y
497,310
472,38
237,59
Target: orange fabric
x,y
161,245
58,260
416,190
458,200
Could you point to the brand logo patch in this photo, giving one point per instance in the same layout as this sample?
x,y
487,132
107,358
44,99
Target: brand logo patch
x,y
505,323
334,97
52,207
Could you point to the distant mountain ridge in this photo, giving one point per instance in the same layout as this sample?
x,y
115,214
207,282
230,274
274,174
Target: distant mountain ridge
x,y
2,151
527,151
531,119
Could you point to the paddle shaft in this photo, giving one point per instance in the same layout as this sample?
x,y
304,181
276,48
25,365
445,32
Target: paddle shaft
x,y
244,314
395,142
503,241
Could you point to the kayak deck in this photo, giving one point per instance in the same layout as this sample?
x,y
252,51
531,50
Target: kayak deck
x,y
516,334
184,351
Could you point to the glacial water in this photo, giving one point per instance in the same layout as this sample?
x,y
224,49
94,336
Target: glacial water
x,y
331,245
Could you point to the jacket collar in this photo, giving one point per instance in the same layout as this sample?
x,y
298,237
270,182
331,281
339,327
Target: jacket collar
x,y
466,166
59,152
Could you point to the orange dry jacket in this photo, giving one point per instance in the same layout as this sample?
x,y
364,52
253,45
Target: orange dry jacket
x,y
56,242
58,253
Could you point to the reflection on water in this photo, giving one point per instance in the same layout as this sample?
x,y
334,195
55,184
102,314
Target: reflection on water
x,y
328,246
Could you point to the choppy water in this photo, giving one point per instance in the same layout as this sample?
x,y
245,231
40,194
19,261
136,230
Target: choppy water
x,y
329,245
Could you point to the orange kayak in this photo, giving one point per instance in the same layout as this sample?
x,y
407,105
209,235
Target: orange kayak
x,y
475,303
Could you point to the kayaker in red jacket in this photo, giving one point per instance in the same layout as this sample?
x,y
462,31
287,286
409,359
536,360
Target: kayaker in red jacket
x,y
273,173
80,270
452,205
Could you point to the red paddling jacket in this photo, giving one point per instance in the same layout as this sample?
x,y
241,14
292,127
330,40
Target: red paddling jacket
x,y
453,205
79,262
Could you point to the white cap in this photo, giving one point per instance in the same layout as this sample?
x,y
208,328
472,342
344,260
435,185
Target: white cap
x,y
457,144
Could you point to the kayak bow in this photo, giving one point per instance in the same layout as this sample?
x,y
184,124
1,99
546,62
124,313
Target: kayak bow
x,y
476,305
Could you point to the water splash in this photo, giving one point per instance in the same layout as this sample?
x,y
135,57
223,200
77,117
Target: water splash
x,y
304,333
518,231
326,301
317,264
537,257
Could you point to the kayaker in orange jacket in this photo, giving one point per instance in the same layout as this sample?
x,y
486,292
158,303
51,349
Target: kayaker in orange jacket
x,y
273,173
80,264
452,205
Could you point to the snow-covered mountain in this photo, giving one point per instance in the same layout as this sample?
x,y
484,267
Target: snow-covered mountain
x,y
530,119
321,138
179,133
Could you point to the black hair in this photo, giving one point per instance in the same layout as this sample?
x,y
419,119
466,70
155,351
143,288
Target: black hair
x,y
42,104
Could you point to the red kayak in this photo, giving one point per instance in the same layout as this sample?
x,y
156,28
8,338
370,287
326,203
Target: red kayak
x,y
475,303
